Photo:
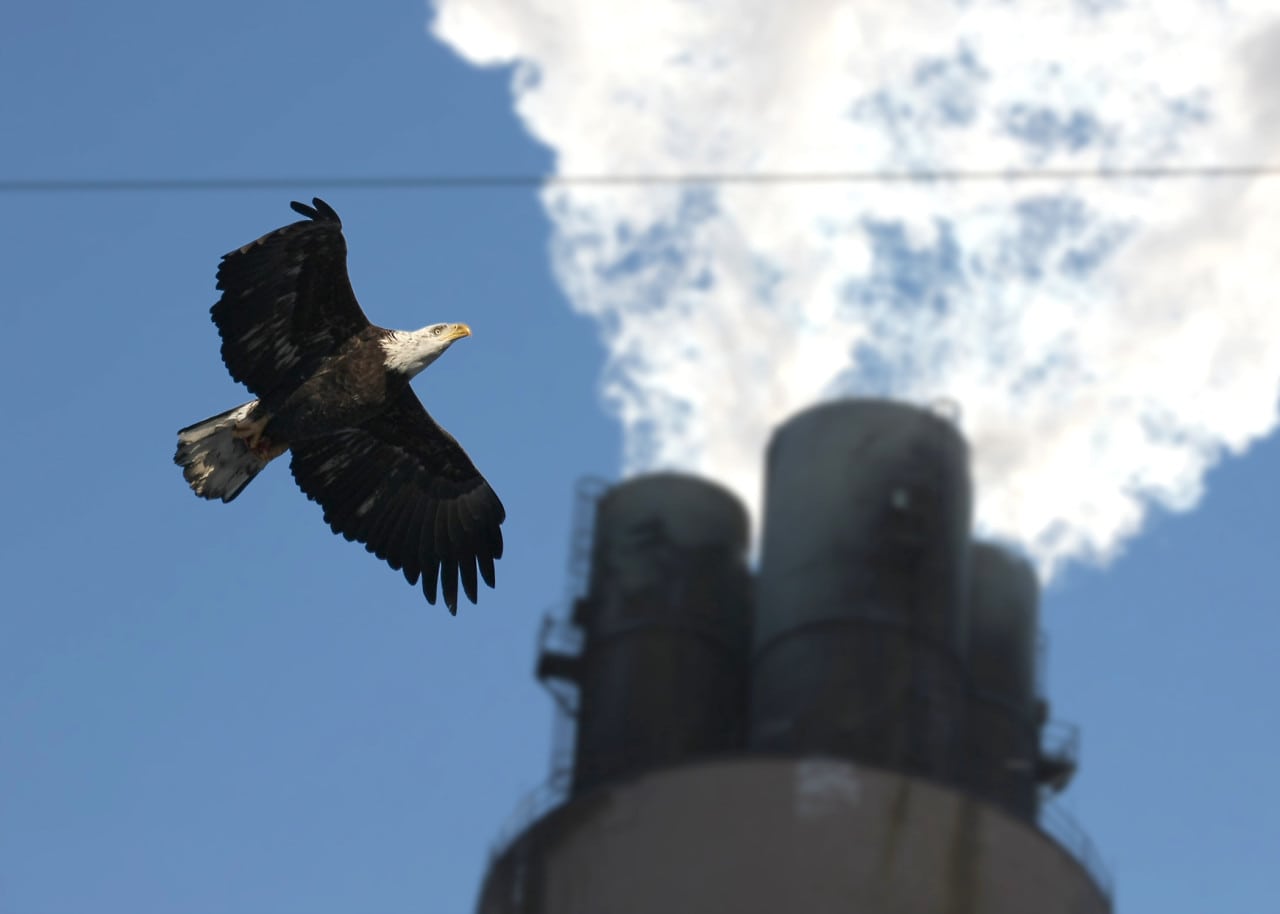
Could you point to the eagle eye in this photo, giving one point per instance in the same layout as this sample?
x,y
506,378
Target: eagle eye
x,y
436,331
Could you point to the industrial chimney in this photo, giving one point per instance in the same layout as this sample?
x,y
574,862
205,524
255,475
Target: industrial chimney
x,y
861,617
664,623
858,727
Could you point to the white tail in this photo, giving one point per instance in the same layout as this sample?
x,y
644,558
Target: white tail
x,y
214,461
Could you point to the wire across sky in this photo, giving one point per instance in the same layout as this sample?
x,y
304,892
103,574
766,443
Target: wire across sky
x,y
479,181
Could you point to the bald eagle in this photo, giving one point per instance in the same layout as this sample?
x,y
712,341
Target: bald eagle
x,y
333,390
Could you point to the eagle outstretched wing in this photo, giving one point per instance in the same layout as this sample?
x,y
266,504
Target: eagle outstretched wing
x,y
404,487
286,301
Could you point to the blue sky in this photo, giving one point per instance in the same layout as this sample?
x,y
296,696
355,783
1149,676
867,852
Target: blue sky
x,y
208,708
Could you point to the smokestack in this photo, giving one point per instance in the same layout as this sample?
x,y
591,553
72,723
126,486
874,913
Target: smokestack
x,y
665,629
860,622
1003,726
860,733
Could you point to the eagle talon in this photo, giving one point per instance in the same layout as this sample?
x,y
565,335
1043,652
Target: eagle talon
x,y
251,434
267,451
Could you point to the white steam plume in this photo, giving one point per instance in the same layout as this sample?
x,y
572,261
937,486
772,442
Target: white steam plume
x,y
1106,341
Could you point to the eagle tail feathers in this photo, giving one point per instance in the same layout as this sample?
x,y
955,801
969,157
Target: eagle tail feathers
x,y
319,212
215,461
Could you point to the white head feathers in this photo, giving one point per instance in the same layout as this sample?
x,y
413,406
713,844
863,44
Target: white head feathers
x,y
410,351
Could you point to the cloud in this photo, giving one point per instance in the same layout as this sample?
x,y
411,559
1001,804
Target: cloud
x,y
1107,343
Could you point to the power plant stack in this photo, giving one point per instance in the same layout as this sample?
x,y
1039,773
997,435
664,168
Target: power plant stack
x,y
857,727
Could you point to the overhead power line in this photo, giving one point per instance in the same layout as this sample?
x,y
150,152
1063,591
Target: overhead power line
x,y
427,182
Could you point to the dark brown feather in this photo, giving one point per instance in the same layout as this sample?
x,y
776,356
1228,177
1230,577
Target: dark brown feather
x,y
286,303
413,540
429,510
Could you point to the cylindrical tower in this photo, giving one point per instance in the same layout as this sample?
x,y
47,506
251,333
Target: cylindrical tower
x,y
1003,729
860,613
767,835
665,624
868,789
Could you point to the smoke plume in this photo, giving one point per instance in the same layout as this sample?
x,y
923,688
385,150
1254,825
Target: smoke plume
x,y
1106,341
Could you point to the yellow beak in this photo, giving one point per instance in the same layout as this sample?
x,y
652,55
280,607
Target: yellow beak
x,y
457,332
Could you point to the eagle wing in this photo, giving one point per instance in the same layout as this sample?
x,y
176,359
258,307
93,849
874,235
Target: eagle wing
x,y
286,302
404,487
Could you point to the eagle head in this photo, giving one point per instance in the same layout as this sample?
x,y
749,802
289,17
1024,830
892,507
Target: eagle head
x,y
410,351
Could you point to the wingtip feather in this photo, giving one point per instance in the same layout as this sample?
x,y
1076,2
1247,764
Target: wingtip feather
x,y
319,211
449,584
327,212
487,569
467,569
429,575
